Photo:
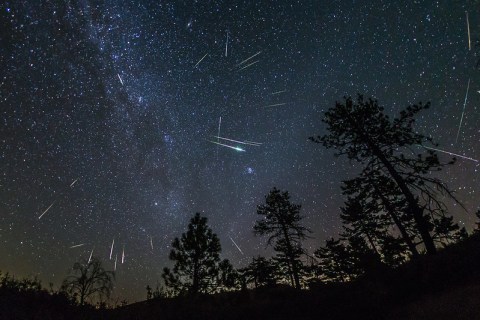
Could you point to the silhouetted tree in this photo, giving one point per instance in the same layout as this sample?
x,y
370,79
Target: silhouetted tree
x,y
196,256
287,259
281,222
362,131
477,223
261,272
228,278
359,221
336,262
159,292
382,205
447,232
88,281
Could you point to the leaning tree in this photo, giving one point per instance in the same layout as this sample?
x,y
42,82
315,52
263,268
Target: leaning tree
x,y
361,130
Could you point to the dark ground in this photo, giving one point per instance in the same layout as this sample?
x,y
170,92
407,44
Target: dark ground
x,y
445,286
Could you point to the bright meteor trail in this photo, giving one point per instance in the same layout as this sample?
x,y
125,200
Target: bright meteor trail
x,y
111,249
226,145
250,143
73,183
463,111
248,65
236,245
468,31
77,245
46,210
452,154
206,54
91,254
249,58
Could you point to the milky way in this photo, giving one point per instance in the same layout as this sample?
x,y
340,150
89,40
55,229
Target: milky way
x,y
107,109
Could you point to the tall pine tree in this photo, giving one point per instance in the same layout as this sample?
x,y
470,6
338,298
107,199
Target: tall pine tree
x,y
197,260
281,222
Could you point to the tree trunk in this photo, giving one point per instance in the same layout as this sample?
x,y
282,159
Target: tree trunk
x,y
195,282
290,256
372,244
413,207
398,223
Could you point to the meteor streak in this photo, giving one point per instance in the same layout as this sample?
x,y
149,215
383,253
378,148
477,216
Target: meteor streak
x,y
236,245
119,78
77,245
206,54
91,254
111,249
468,31
277,92
115,266
226,46
71,185
463,111
123,254
226,145
250,143
46,210
218,133
452,154
151,242
276,105
219,125
248,65
249,58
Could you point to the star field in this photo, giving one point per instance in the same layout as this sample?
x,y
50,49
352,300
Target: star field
x,y
116,96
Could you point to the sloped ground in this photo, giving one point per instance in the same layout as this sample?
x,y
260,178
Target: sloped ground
x,y
445,286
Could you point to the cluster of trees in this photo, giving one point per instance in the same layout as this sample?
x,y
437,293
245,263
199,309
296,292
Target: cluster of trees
x,y
87,283
394,211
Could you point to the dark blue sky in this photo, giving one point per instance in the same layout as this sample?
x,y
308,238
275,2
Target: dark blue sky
x,y
108,94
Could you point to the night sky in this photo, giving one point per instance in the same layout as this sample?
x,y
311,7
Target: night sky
x,y
107,109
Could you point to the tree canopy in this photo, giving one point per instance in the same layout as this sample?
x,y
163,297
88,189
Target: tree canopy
x,y
89,281
197,260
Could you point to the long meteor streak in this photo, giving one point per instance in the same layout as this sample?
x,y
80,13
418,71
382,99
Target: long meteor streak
x,y
226,145
151,242
236,245
46,210
111,249
248,65
77,245
123,254
218,132
206,54
468,31
277,92
119,78
256,54
463,111
276,105
452,154
226,47
250,143
115,266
